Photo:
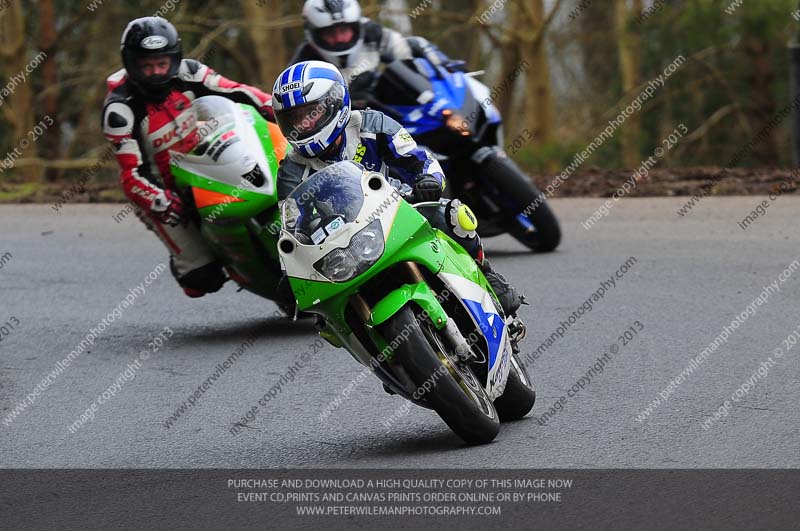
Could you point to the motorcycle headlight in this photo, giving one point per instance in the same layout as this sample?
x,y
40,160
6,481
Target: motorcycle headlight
x,y
365,248
455,122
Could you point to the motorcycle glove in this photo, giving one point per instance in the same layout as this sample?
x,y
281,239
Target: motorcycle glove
x,y
168,208
427,188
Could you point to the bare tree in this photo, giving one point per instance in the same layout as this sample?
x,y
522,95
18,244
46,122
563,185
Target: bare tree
x,y
523,58
538,92
628,51
48,43
760,77
18,109
268,46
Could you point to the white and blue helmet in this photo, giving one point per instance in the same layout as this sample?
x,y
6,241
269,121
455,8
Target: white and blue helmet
x,y
312,106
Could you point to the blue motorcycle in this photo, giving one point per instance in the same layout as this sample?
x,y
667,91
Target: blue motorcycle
x,y
452,114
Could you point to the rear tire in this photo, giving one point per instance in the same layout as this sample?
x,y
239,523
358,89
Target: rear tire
x,y
513,183
452,390
519,396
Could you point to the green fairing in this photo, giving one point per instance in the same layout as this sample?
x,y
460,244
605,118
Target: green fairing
x,y
266,139
252,203
460,263
386,316
411,240
245,247
420,293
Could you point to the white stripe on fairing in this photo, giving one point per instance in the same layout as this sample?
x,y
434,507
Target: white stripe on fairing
x,y
467,289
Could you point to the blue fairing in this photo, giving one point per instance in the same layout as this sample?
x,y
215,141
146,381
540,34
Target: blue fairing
x,y
455,91
449,90
491,324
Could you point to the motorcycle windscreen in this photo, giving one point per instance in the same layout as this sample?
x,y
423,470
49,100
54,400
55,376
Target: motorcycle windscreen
x,y
229,159
324,203
217,110
400,84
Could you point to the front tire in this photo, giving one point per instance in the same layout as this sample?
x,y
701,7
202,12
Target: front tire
x,y
513,183
519,396
452,389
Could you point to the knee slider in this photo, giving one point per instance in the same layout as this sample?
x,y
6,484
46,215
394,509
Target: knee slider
x,y
461,219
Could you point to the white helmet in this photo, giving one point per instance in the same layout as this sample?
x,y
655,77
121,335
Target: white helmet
x,y
312,106
322,15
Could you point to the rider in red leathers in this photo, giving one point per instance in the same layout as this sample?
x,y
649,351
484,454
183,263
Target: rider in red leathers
x,y
147,115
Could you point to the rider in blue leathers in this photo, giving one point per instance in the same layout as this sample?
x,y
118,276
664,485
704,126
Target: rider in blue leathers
x,y
311,102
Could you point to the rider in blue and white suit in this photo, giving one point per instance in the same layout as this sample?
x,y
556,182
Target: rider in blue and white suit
x,y
312,107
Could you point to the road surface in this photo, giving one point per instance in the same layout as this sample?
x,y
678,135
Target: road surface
x,y
690,277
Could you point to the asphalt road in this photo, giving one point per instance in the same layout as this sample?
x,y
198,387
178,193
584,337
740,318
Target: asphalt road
x,y
691,277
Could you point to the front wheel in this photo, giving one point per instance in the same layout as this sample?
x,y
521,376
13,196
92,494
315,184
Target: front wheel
x,y
519,396
513,184
441,379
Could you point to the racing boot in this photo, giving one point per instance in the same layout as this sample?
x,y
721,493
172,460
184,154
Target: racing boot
x,y
509,299
200,281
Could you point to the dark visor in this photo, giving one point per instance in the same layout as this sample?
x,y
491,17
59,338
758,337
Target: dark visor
x,y
309,119
339,47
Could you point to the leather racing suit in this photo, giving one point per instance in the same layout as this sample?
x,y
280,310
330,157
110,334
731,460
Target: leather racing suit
x,y
144,130
381,45
382,145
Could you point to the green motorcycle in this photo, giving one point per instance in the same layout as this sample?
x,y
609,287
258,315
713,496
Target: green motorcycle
x,y
230,179
404,299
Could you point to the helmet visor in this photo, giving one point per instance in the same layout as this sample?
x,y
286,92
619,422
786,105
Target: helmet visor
x,y
306,120
339,37
155,70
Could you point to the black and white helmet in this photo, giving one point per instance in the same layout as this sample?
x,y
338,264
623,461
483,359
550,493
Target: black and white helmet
x,y
150,37
321,16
